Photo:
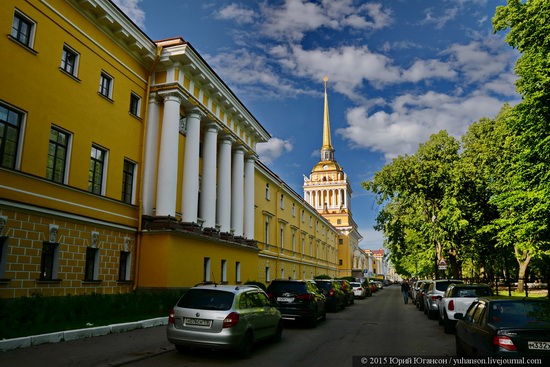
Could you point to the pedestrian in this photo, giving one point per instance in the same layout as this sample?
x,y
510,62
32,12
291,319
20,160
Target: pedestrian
x,y
405,291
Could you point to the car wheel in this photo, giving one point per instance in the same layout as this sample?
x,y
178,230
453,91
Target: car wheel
x,y
182,348
458,348
312,323
247,342
324,314
448,326
278,333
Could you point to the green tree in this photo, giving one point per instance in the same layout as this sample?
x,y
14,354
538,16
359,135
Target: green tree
x,y
524,198
412,190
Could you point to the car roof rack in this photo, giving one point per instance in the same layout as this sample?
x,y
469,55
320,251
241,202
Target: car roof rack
x,y
206,283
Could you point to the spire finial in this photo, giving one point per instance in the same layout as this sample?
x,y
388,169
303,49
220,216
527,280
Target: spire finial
x,y
325,80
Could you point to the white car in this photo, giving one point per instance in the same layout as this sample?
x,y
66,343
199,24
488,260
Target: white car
x,y
358,290
457,299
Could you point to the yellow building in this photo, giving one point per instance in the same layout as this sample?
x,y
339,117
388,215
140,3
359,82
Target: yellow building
x,y
127,163
328,190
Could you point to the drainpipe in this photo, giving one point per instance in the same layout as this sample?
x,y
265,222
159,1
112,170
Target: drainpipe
x,y
140,221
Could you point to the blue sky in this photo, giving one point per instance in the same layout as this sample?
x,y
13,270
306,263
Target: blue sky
x,y
399,71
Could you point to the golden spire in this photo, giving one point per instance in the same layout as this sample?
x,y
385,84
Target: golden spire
x,y
327,152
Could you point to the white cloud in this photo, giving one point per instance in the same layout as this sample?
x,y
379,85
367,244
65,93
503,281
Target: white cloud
x,y
273,149
235,12
132,10
296,17
412,119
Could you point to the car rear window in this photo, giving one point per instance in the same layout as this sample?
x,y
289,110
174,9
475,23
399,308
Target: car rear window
x,y
324,285
520,314
442,286
206,299
291,287
473,292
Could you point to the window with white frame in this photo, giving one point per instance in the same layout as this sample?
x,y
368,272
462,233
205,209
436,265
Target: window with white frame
x,y
11,124
267,274
23,29
124,266
238,272
282,201
69,61
58,153
303,244
293,209
96,176
267,191
206,270
91,269
266,231
128,181
224,271
293,240
282,236
135,104
310,222
49,260
106,85
303,216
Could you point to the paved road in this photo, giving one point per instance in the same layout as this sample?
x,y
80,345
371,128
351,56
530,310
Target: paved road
x,y
377,326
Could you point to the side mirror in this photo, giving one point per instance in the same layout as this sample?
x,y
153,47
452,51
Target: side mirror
x,y
459,316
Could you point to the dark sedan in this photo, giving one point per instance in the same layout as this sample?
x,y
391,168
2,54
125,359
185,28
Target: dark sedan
x,y
504,327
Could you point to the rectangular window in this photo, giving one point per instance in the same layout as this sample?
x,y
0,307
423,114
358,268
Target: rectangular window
x,y
22,29
224,270
267,274
106,85
10,130
124,266
135,104
238,272
97,170
69,61
3,255
49,260
206,270
128,182
57,155
340,241
92,261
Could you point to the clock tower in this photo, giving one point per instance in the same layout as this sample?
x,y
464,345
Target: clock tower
x,y
328,190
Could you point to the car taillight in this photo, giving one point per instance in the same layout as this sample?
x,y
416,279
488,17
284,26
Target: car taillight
x,y
305,297
331,293
171,318
231,320
434,298
451,305
270,295
504,342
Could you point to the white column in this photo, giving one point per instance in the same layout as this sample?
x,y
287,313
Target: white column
x,y
168,156
346,199
237,191
249,198
151,157
190,190
223,211
208,182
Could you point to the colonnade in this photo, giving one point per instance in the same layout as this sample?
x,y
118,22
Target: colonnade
x,y
335,198
226,203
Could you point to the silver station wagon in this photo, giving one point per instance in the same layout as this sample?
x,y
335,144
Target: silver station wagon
x,y
231,317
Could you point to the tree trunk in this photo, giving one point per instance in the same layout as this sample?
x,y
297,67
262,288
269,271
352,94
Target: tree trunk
x,y
523,258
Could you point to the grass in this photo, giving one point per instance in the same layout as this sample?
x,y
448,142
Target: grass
x,y
39,314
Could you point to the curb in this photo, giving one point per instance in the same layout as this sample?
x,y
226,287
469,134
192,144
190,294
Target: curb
x,y
28,341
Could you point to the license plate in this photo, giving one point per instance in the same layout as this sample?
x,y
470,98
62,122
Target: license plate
x,y
285,299
197,322
539,345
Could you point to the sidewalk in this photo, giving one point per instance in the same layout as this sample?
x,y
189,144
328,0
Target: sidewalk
x,y
113,345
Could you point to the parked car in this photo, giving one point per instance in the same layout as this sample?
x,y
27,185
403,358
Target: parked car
x,y
421,293
433,295
504,327
298,300
231,317
373,286
414,289
457,299
348,290
336,298
358,290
